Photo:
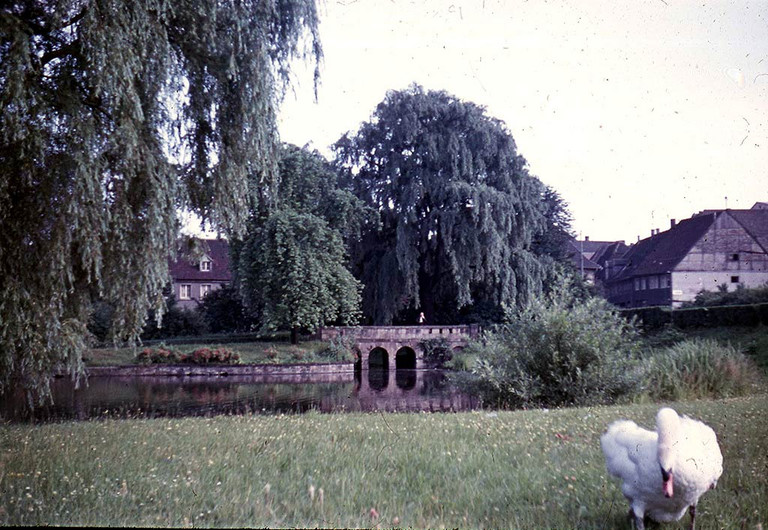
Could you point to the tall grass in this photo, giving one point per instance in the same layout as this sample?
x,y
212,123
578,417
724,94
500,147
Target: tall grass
x,y
699,368
521,469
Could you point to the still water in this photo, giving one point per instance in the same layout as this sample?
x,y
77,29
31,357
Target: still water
x,y
374,390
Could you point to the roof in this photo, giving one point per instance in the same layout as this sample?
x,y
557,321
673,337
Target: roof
x,y
183,268
577,258
590,247
755,222
661,252
612,250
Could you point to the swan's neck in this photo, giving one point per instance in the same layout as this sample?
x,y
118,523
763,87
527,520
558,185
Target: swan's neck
x,y
668,429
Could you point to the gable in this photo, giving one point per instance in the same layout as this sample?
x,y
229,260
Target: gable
x,y
182,269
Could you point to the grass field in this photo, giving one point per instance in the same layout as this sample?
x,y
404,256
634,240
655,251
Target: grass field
x,y
521,469
257,352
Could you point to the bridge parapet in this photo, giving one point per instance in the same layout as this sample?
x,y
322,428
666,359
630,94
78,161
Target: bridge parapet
x,y
457,332
393,339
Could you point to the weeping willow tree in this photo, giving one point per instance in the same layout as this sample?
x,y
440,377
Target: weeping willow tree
x,y
115,114
458,209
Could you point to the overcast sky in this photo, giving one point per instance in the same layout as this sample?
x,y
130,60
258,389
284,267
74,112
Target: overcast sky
x,y
636,112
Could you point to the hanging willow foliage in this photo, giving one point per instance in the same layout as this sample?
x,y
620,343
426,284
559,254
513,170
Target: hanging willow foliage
x,y
458,208
115,113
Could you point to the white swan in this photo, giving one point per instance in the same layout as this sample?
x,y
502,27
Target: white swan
x,y
663,472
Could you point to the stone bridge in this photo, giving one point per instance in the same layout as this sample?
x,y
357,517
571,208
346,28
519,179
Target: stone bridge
x,y
399,346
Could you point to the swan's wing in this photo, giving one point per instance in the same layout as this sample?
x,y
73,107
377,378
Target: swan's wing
x,y
701,452
628,449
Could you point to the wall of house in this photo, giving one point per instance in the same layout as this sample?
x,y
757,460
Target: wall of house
x,y
725,255
725,247
687,284
195,299
641,291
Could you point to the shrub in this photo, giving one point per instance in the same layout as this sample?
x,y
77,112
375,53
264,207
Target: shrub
x,y
740,296
699,368
558,351
165,355
159,355
176,322
341,349
211,356
437,352
223,311
271,353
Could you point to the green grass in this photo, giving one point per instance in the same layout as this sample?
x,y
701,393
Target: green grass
x,y
521,469
250,352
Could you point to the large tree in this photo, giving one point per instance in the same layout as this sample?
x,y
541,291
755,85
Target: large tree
x,y
116,113
292,263
458,209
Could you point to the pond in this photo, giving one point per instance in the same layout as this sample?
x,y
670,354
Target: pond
x,y
159,396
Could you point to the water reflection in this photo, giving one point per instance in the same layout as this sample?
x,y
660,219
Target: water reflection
x,y
372,390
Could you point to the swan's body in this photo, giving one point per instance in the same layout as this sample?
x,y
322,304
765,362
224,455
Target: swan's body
x,y
663,472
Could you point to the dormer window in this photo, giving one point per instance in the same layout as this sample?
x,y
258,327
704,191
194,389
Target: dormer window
x,y
205,265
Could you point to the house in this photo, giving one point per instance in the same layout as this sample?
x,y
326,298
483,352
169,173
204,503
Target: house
x,y
590,257
714,249
193,279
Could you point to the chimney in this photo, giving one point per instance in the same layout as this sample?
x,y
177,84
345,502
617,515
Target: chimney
x,y
672,223
586,238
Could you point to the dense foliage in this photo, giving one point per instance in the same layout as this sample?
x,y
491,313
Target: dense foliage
x,y
457,209
223,311
739,296
177,321
291,266
558,351
115,114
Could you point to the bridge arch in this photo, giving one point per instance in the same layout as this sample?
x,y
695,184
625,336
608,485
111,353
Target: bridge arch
x,y
405,358
378,359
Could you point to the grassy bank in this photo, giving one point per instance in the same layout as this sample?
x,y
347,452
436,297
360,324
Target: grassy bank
x,y
272,352
752,340
522,469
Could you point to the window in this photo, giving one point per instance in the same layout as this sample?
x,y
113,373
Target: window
x,y
734,279
205,265
653,282
643,284
204,290
185,292
664,282
734,257
637,284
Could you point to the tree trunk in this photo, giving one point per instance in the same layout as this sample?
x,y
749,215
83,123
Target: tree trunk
x,y
294,335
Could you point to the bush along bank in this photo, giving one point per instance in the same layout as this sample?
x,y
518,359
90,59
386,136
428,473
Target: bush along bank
x,y
653,318
560,351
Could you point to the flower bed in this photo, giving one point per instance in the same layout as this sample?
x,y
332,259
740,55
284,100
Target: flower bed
x,y
163,355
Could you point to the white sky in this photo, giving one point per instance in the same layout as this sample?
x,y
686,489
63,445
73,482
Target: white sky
x,y
636,112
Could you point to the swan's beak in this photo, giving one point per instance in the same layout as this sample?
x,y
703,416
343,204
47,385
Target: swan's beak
x,y
668,485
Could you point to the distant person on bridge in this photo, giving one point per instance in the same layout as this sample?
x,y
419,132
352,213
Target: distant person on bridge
x,y
421,318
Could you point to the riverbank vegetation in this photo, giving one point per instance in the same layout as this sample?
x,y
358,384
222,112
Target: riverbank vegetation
x,y
519,469
256,352
565,350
